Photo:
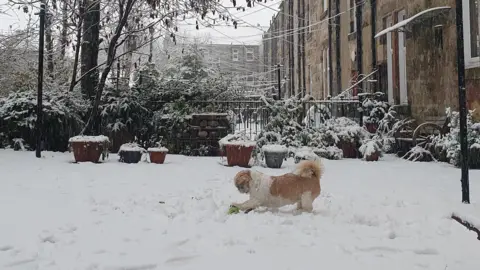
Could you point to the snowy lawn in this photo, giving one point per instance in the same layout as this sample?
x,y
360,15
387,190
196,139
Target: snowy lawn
x,y
388,215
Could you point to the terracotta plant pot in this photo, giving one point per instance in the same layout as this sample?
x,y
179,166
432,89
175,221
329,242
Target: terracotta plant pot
x,y
88,148
372,157
157,155
371,127
239,155
349,150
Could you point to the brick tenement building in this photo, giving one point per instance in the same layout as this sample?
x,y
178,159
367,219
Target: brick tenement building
x,y
416,64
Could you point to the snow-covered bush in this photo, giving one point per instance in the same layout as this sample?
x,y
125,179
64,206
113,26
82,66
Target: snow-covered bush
x,y
122,111
283,123
371,150
449,144
374,108
62,118
420,154
329,152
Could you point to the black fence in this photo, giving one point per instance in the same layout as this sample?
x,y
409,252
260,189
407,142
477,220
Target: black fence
x,y
252,116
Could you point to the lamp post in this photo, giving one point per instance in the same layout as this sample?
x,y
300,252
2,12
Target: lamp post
x,y
462,103
39,122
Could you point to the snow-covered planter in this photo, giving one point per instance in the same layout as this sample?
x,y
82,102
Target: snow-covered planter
x,y
305,153
19,144
89,148
329,152
371,150
474,156
419,154
130,153
274,155
238,149
157,154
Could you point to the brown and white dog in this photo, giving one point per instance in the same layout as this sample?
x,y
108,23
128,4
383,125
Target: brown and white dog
x,y
302,186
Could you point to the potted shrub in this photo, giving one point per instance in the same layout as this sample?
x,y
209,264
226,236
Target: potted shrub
x,y
274,155
371,150
157,154
238,149
89,148
130,153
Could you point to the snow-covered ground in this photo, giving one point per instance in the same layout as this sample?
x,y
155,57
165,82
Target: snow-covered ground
x,y
392,214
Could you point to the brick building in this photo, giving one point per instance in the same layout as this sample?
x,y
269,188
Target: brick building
x,y
334,45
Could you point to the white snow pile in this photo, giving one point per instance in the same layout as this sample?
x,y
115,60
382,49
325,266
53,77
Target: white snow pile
x,y
157,149
238,139
131,147
419,153
82,138
275,148
391,215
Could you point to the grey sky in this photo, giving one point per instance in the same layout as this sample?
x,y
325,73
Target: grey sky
x,y
254,19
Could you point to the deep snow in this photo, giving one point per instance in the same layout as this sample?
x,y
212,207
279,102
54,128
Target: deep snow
x,y
391,214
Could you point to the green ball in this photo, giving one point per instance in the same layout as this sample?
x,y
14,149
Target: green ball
x,y
233,210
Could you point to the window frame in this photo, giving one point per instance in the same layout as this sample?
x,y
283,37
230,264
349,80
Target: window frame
x,y
249,51
470,62
235,55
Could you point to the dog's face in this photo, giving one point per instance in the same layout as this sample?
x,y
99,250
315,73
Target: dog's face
x,y
242,181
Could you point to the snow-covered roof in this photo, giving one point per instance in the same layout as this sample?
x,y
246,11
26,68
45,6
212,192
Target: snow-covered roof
x,y
409,20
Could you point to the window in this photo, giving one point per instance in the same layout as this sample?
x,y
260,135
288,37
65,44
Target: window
x,y
471,23
325,5
235,54
352,8
250,54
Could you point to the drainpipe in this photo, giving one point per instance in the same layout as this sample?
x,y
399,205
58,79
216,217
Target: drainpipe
x,y
358,18
374,42
304,88
329,67
338,47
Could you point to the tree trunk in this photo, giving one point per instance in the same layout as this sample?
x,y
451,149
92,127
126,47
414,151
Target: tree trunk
x,y
92,126
90,48
63,37
49,43
81,10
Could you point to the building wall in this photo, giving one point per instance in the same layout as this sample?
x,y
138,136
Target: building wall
x,y
430,54
432,83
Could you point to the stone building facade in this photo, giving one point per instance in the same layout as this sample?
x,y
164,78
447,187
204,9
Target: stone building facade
x,y
414,65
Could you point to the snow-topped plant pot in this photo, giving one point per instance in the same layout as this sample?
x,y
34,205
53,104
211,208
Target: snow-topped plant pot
x,y
371,150
349,149
157,155
274,155
130,153
238,148
474,156
89,148
239,153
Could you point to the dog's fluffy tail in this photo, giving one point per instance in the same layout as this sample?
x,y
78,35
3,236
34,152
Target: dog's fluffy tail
x,y
309,168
